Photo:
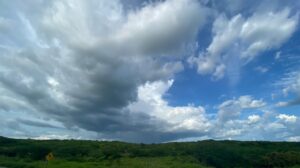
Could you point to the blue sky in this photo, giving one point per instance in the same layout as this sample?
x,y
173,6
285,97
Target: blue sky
x,y
150,71
253,81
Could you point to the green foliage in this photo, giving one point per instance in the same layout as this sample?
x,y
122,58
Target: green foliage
x,y
124,162
281,159
74,153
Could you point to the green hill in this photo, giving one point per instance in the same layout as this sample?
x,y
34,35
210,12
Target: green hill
x,y
17,153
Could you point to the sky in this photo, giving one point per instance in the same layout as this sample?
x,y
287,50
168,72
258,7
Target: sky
x,y
150,71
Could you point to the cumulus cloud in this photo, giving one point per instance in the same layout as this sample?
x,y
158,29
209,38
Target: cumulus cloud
x,y
158,28
274,127
186,118
231,109
269,125
248,102
287,118
294,139
281,104
240,39
82,62
101,69
257,127
253,119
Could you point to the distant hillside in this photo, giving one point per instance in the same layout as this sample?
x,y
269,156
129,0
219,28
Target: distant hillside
x,y
92,154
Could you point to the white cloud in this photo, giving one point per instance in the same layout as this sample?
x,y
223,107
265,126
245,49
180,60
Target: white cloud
x,y
220,72
294,139
261,69
52,136
150,101
232,132
162,27
94,70
158,28
248,102
270,30
274,127
277,55
290,83
231,109
287,118
252,119
267,126
281,104
242,39
82,62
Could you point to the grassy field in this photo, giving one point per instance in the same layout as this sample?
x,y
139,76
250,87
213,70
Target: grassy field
x,y
16,153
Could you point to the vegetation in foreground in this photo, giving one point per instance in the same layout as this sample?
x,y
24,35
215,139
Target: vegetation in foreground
x,y
94,154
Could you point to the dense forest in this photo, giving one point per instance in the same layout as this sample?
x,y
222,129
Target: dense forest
x,y
17,153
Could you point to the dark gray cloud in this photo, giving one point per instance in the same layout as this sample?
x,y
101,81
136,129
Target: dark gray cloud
x,y
36,123
294,102
80,63
101,68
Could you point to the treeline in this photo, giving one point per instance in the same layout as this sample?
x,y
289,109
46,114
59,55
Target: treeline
x,y
211,153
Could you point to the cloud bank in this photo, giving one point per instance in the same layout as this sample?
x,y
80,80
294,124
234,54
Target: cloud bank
x,y
102,70
81,63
